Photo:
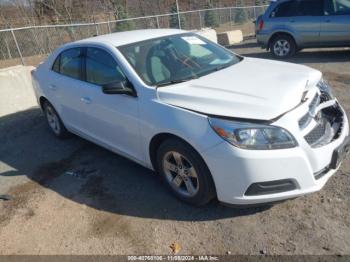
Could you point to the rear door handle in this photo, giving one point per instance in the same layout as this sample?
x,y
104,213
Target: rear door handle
x,y
86,100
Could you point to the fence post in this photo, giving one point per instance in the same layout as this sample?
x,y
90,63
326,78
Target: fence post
x,y
96,26
48,40
254,13
157,22
109,27
178,13
8,49
200,20
231,17
19,50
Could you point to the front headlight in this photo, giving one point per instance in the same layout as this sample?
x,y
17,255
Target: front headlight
x,y
325,88
252,136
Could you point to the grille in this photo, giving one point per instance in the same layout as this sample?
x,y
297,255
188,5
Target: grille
x,y
325,97
316,134
329,127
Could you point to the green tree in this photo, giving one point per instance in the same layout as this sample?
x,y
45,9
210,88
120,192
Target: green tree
x,y
121,13
241,16
210,18
173,20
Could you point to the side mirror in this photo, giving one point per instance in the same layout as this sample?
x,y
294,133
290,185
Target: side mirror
x,y
118,88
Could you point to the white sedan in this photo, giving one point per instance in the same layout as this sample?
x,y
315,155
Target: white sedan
x,y
210,122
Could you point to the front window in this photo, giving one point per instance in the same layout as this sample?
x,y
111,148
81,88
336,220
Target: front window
x,y
101,68
338,7
172,59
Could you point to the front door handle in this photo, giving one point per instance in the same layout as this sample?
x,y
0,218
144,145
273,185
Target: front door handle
x,y
52,87
86,100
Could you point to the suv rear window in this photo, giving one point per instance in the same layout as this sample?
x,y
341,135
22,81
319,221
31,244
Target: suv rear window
x,y
285,9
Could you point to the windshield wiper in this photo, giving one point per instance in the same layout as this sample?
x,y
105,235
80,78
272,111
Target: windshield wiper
x,y
218,68
176,81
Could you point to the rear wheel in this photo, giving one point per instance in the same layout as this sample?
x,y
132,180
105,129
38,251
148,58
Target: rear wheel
x,y
185,172
283,46
54,121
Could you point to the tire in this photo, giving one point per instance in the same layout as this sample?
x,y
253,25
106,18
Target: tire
x,y
283,46
180,167
54,121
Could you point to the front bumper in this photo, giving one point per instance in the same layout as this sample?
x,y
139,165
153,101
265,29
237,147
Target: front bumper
x,y
234,170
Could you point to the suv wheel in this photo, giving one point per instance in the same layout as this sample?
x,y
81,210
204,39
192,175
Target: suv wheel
x,y
185,172
283,46
54,121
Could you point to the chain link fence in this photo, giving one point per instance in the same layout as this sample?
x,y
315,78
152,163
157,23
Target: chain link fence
x,y
31,45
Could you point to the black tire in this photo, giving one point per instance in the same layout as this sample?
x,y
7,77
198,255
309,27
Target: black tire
x,y
206,188
282,53
58,128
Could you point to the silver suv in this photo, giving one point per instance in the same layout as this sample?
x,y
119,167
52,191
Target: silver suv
x,y
291,25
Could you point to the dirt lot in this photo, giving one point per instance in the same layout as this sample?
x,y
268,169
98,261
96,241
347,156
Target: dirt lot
x,y
72,197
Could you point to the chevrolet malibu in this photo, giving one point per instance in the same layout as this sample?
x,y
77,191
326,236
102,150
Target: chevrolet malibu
x,y
212,123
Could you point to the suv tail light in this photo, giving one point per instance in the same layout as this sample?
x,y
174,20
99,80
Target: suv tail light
x,y
261,25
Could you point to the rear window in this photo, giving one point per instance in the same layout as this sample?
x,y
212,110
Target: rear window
x,y
69,63
310,8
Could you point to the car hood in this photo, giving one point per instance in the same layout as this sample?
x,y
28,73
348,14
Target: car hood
x,y
252,89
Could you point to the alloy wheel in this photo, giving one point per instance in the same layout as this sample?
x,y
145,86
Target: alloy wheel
x,y
53,120
282,48
180,174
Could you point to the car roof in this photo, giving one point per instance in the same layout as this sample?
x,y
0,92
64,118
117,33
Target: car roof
x,y
128,37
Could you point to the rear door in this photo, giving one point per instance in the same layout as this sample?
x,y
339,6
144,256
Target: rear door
x,y
335,28
302,18
65,86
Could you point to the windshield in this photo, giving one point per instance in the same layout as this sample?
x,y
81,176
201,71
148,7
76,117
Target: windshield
x,y
177,58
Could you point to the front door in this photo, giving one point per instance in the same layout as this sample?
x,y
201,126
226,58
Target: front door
x,y
335,27
110,119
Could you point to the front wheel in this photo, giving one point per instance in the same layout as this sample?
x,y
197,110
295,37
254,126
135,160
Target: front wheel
x,y
185,172
283,46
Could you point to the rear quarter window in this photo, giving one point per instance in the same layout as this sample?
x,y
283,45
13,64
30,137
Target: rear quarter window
x,y
56,64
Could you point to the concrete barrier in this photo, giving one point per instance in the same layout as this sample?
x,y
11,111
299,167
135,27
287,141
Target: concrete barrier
x,y
16,92
230,37
208,33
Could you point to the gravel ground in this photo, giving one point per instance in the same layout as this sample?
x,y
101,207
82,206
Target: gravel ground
x,y
73,197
